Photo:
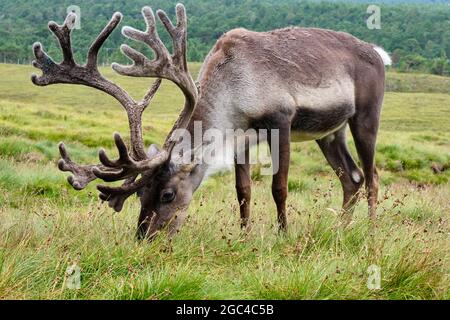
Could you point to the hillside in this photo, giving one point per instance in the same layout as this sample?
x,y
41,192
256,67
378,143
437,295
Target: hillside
x,y
417,35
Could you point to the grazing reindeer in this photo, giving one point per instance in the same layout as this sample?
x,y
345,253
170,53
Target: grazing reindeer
x,y
306,83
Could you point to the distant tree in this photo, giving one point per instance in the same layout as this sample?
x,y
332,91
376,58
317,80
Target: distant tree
x,y
441,65
412,62
432,49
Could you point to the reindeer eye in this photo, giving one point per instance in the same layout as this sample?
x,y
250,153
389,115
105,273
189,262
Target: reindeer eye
x,y
167,195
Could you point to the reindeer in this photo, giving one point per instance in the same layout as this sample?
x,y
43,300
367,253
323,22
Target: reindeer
x,y
306,83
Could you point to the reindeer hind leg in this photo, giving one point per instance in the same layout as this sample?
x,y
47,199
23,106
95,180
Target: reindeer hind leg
x,y
364,128
334,148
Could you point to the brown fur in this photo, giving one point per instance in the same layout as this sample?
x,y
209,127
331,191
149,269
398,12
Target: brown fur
x,y
305,55
307,58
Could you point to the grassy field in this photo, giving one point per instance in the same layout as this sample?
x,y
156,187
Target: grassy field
x,y
45,226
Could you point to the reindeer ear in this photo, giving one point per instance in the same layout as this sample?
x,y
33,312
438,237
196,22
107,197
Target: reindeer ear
x,y
153,150
188,168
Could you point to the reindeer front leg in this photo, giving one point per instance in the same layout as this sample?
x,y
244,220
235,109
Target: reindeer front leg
x,y
244,190
281,154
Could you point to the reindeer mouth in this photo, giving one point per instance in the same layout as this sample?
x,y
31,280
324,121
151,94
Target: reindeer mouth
x,y
154,223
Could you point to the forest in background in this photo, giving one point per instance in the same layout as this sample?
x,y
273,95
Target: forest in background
x,y
416,33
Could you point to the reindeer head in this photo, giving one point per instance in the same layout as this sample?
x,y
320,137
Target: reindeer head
x,y
165,200
165,188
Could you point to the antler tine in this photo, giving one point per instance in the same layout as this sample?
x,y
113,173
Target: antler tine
x,y
151,93
98,43
116,196
178,35
62,33
43,62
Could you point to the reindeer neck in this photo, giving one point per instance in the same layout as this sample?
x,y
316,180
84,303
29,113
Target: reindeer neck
x,y
199,130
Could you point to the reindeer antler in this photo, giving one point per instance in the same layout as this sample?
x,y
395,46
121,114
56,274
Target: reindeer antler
x,y
130,164
173,67
165,65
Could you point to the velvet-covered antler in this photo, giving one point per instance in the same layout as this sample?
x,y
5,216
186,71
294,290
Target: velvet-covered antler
x,y
131,163
165,65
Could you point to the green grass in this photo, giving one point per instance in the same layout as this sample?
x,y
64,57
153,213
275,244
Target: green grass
x,y
45,226
417,82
